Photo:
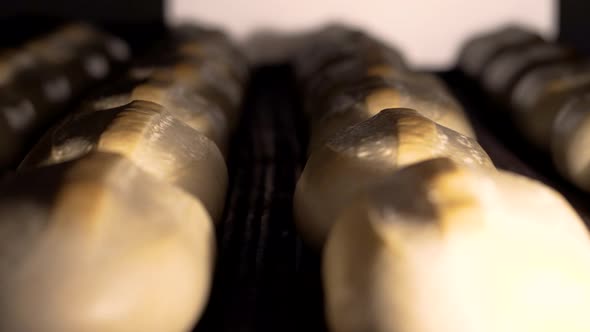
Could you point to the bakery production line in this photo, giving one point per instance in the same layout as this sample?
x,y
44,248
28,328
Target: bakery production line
x,y
182,181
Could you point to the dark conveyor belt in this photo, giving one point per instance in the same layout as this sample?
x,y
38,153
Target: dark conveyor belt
x,y
265,279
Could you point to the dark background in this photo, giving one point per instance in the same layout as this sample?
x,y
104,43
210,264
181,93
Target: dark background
x,y
574,23
138,21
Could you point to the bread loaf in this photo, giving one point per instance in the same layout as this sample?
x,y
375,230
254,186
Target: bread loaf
x,y
570,137
441,247
97,244
149,136
366,154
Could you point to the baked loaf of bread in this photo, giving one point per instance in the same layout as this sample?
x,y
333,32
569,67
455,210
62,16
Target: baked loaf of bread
x,y
39,78
364,99
505,70
198,76
542,93
480,50
335,43
570,137
147,134
97,244
442,247
366,154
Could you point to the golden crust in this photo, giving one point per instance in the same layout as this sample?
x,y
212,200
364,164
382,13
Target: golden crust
x,y
426,96
102,247
194,110
366,154
149,136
